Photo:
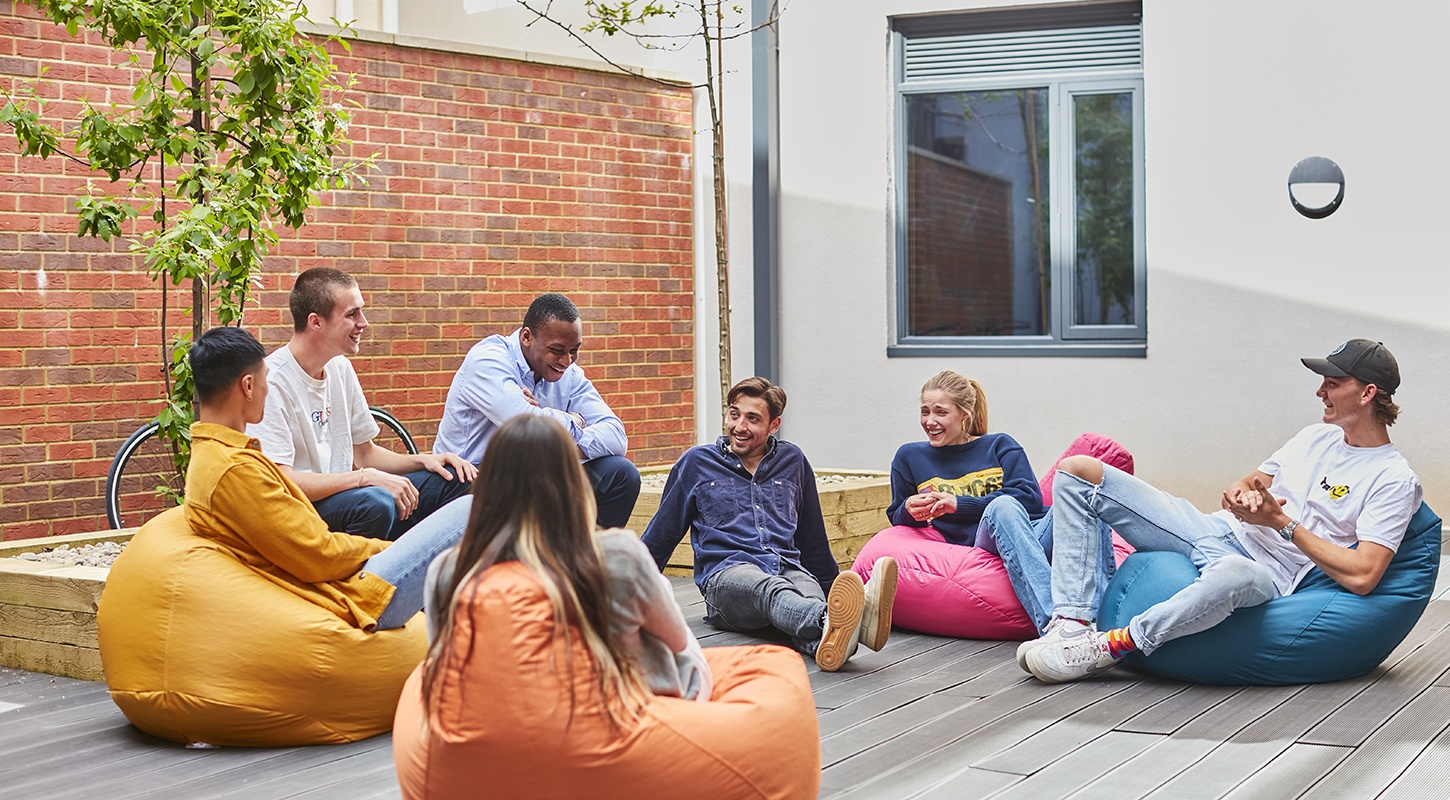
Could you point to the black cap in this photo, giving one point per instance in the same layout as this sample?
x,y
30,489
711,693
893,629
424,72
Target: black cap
x,y
1363,360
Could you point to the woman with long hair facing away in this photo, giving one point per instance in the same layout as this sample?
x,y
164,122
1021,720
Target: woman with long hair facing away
x,y
549,649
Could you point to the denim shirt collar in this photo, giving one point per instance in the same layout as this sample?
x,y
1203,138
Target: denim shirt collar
x,y
722,449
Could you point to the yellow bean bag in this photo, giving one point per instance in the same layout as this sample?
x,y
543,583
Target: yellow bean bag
x,y
500,722
198,647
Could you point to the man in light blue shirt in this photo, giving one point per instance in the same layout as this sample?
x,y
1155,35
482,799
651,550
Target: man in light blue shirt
x,y
533,371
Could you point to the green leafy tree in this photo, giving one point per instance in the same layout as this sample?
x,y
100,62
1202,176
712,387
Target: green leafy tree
x,y
718,22
235,125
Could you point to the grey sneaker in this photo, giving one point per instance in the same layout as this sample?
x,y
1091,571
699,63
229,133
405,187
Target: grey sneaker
x,y
841,630
1076,653
1055,628
880,596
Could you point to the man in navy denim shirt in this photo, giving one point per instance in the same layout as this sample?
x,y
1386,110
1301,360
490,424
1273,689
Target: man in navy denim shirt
x,y
761,554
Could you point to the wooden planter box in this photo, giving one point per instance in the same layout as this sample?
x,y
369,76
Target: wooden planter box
x,y
48,611
854,511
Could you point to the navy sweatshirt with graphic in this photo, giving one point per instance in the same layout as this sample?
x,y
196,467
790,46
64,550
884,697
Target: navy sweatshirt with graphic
x,y
977,472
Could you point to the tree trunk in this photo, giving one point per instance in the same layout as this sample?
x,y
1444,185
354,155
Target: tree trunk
x,y
713,81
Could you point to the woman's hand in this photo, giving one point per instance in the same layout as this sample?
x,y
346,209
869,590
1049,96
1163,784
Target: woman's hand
x,y
929,505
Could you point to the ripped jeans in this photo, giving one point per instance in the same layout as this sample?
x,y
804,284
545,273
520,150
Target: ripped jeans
x,y
1149,520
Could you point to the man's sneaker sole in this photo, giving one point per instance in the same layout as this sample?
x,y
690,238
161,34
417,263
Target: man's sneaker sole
x,y
843,621
880,596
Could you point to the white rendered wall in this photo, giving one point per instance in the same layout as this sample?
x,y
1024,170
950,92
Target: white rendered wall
x,y
1239,285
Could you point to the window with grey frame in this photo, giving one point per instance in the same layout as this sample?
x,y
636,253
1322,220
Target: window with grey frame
x,y
1020,182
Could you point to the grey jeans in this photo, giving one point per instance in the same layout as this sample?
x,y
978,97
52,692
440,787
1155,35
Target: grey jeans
x,y
743,597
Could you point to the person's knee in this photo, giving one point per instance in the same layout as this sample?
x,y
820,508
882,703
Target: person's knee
x,y
372,512
618,476
1004,507
1248,581
1085,467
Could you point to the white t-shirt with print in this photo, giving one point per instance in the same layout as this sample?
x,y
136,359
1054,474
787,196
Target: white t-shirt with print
x,y
1342,494
312,425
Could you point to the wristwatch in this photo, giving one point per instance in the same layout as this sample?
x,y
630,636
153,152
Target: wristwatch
x,y
1287,532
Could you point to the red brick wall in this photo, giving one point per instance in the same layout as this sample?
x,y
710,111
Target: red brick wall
x,y
497,180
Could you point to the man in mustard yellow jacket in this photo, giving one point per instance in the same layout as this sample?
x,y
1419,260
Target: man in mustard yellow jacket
x,y
237,497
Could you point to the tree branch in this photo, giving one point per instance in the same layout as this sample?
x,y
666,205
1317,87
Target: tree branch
x,y
573,34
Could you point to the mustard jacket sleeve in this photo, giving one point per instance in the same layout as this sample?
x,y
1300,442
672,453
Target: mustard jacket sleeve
x,y
284,528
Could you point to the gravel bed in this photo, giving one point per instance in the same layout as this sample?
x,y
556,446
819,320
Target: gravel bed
x,y
100,554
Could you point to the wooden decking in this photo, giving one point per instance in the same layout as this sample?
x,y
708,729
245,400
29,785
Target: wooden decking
x,y
925,718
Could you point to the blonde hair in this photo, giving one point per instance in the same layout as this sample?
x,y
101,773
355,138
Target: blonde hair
x,y
968,396
540,512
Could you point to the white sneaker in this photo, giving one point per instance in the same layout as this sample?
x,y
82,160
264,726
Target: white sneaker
x,y
1055,628
1075,654
880,596
841,629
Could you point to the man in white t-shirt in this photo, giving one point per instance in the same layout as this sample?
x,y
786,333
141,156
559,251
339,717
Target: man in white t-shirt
x,y
1337,496
318,429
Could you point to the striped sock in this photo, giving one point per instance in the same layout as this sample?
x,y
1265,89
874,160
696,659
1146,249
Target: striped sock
x,y
1120,643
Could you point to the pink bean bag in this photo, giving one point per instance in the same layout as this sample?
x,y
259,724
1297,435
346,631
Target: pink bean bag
x,y
962,591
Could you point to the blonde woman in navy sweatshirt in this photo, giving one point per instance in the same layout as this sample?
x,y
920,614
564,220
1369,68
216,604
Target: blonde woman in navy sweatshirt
x,y
975,488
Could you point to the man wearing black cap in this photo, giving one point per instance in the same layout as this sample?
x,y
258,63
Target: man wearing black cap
x,y
1332,486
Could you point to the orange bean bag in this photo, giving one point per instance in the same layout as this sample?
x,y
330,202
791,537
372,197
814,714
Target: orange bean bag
x,y
198,647
499,724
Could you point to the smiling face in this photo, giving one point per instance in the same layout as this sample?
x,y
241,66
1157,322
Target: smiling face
x,y
342,330
943,420
552,348
750,427
1346,400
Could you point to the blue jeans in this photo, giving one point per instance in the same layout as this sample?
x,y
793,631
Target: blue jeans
x,y
1025,547
371,511
405,563
743,597
616,486
1149,519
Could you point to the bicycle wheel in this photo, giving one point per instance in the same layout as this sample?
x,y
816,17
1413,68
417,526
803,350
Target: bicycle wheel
x,y
142,481
399,441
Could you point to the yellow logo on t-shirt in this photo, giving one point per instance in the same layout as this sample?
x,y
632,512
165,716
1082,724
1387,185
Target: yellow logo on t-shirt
x,y
974,484
1335,492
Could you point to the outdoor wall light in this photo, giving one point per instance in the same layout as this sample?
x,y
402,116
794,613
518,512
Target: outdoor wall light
x,y
1311,184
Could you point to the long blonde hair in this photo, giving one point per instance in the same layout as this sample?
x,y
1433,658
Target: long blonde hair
x,y
968,396
532,503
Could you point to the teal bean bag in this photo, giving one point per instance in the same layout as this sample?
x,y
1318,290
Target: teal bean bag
x,y
1322,632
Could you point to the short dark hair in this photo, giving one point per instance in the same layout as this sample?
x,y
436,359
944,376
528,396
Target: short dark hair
x,y
221,356
760,388
313,294
550,307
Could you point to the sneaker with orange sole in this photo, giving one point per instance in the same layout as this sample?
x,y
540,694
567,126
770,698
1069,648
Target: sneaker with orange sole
x,y
841,632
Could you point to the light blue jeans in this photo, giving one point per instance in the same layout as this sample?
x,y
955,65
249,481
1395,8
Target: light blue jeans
x,y
1149,520
743,597
1025,547
405,563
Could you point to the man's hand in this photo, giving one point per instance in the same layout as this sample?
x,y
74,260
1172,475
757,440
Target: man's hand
x,y
439,463
405,494
1255,505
